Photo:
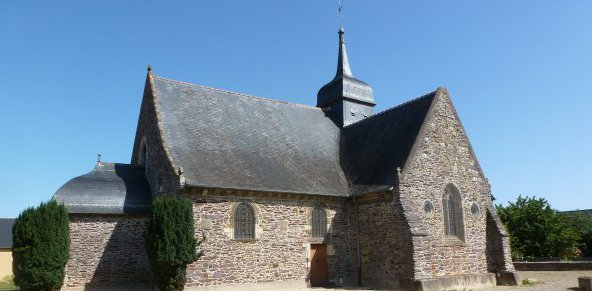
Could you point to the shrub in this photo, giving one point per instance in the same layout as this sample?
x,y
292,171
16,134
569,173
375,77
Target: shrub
x,y
171,244
40,247
537,230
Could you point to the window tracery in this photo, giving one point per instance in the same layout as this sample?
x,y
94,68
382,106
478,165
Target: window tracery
x,y
244,222
452,213
318,222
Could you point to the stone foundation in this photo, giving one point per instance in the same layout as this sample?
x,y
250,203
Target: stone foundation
x,y
439,283
455,282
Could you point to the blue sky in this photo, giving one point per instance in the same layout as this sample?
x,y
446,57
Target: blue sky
x,y
519,73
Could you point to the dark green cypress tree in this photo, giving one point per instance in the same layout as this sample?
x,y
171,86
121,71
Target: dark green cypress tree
x,y
171,243
40,247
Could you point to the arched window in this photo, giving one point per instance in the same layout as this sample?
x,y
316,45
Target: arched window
x,y
452,213
143,153
318,222
244,222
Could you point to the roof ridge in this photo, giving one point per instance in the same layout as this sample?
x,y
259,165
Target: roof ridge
x,y
236,93
395,107
111,166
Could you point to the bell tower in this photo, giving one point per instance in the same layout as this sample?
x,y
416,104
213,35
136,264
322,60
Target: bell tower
x,y
345,99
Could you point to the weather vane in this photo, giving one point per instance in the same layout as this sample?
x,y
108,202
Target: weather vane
x,y
341,15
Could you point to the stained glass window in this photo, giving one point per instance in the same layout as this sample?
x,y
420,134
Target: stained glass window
x,y
244,222
452,212
143,154
319,222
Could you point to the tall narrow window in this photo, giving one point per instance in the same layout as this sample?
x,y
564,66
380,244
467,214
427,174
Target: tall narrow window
x,y
452,213
143,154
319,222
244,222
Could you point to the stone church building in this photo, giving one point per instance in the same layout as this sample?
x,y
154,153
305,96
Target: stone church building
x,y
294,195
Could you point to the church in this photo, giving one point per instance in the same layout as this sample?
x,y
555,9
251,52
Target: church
x,y
290,195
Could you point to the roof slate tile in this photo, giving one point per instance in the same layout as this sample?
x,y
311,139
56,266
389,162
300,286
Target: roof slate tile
x,y
109,189
230,140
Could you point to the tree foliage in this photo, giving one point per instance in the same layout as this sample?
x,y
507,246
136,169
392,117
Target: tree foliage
x,y
537,230
171,244
40,247
582,224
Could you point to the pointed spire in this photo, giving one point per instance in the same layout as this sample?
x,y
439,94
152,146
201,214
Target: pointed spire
x,y
343,65
345,99
339,87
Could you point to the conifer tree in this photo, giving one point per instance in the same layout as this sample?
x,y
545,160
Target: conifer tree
x,y
171,244
40,247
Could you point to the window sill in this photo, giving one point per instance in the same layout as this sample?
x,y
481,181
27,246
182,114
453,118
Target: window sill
x,y
454,241
316,240
245,240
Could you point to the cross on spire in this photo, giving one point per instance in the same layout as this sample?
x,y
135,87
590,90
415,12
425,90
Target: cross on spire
x,y
340,14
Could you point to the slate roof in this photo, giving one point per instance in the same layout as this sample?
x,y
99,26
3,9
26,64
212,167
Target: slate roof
x,y
107,189
373,148
224,139
229,140
6,233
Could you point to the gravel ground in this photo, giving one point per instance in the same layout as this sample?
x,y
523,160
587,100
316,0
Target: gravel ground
x,y
544,281
547,281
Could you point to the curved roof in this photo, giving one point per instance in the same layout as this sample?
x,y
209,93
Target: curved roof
x,y
109,188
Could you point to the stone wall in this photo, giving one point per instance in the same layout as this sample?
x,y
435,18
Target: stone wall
x,y
497,248
107,250
385,241
553,266
161,172
444,156
281,249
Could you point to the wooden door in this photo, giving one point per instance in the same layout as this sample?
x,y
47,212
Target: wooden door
x,y
318,265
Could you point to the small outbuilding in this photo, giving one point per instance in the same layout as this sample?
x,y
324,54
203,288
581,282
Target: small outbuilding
x,y
6,247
